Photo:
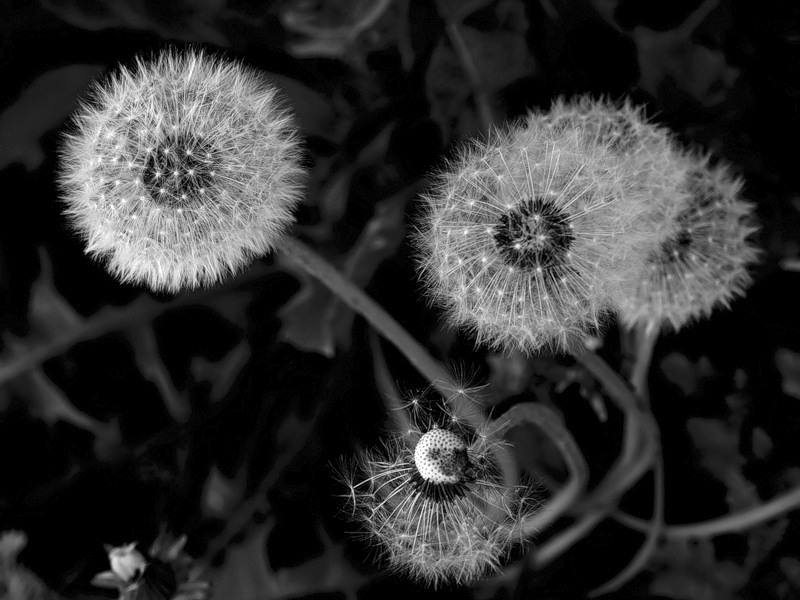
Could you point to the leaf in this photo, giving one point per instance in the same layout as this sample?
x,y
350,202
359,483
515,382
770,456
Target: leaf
x,y
788,364
316,113
17,582
50,316
221,494
718,443
688,570
499,59
314,320
330,27
761,443
510,373
223,373
790,567
246,574
41,107
49,403
678,369
152,367
190,20
11,543
673,59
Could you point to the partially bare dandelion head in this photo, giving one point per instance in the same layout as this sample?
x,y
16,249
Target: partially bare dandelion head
x,y
432,499
181,169
527,237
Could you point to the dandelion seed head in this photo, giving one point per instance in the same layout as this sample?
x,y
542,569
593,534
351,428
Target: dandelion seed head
x,y
163,132
704,253
432,499
547,222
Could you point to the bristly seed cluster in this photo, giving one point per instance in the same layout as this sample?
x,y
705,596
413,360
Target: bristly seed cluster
x,y
180,170
433,500
529,238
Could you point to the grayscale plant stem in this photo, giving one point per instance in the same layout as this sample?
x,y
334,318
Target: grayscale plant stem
x,y
551,425
641,432
362,304
645,337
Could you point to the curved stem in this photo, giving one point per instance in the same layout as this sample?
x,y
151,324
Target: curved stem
x,y
555,547
732,523
362,304
641,433
552,426
388,390
652,535
358,300
646,337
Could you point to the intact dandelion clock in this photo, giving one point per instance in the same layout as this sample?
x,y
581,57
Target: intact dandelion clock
x,y
180,170
434,502
527,238
703,253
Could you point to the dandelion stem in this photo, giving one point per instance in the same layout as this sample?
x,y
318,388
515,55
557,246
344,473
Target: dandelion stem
x,y
551,424
641,433
733,523
645,339
555,547
361,303
358,300
652,531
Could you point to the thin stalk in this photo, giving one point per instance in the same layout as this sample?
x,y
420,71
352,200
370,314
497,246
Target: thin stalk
x,y
362,304
733,523
555,547
551,425
645,339
639,442
652,534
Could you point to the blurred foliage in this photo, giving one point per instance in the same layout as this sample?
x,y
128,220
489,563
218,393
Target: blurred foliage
x,y
218,412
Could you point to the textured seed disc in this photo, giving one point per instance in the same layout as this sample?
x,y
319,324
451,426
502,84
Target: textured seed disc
x,y
441,457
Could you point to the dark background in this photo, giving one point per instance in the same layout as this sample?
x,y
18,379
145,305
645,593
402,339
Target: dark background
x,y
217,413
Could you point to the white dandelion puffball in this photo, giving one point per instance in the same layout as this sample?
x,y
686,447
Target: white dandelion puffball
x,y
180,170
527,237
703,255
434,503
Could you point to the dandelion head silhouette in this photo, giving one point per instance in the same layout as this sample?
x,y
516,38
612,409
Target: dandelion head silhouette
x,y
180,170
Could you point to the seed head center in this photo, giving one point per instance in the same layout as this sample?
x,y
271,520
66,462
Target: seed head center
x,y
534,235
441,458
179,170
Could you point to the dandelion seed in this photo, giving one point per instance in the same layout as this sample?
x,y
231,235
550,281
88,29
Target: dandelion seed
x,y
224,117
